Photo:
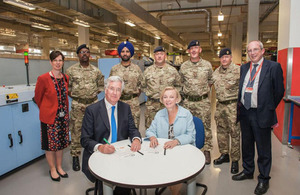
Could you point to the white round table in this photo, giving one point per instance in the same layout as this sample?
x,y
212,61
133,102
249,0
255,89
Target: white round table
x,y
153,169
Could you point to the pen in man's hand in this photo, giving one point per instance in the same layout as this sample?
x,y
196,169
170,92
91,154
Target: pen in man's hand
x,y
165,151
137,151
106,141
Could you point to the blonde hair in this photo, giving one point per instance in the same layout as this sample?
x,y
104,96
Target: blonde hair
x,y
167,89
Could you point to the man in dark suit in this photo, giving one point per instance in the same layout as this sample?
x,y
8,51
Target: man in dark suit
x,y
260,91
110,119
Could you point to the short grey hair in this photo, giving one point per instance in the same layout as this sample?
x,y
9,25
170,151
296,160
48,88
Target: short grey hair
x,y
113,79
261,45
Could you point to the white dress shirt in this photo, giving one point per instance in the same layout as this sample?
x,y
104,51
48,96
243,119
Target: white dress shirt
x,y
255,85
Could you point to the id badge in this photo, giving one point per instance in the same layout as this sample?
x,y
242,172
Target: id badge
x,y
61,114
249,89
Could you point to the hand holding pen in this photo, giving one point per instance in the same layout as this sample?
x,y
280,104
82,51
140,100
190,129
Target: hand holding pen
x,y
106,148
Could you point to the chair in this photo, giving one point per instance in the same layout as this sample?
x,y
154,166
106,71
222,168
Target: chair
x,y
200,138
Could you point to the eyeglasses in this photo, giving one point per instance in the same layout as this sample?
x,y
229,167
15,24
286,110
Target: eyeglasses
x,y
255,50
82,52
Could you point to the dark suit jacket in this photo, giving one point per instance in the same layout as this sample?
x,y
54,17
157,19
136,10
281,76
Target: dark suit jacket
x,y
95,127
269,94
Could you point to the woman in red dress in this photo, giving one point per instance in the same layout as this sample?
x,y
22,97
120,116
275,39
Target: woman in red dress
x,y
51,96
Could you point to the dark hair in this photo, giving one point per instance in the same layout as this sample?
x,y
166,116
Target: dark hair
x,y
54,54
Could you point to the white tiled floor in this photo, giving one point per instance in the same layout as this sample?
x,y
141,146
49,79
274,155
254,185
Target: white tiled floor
x,y
34,179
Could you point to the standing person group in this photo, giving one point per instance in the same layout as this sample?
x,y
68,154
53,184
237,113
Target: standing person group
x,y
248,94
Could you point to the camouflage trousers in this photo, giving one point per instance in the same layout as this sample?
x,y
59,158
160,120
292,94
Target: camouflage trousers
x,y
134,104
76,117
152,108
228,132
202,110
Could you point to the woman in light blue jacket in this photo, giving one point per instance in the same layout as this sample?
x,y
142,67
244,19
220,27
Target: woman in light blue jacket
x,y
173,122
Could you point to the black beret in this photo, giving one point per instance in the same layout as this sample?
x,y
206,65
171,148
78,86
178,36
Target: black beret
x,y
225,51
194,43
159,48
81,47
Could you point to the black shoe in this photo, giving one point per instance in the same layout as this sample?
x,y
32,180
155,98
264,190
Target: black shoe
x,y
234,167
207,157
241,176
54,179
64,175
76,164
222,159
261,188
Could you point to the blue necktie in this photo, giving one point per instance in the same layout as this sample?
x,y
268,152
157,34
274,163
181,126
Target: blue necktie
x,y
247,95
113,125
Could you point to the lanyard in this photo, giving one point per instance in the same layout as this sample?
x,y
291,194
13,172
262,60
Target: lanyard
x,y
259,67
59,89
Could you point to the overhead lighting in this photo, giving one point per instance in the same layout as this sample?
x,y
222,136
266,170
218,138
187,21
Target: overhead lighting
x,y
219,34
136,48
40,26
219,47
180,48
105,41
145,50
146,44
7,32
20,4
171,44
219,42
112,33
129,23
268,41
132,40
220,17
81,23
157,37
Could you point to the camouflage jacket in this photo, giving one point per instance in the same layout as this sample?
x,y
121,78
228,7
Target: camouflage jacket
x,y
157,78
85,83
131,75
226,82
196,77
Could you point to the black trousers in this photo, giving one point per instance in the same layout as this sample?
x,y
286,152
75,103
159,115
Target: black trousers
x,y
251,134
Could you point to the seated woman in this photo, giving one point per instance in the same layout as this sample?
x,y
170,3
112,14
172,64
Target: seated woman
x,y
173,122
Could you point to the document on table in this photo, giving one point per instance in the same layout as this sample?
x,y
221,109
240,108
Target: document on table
x,y
124,151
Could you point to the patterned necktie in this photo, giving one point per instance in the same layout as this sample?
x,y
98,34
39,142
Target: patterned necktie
x,y
113,125
247,95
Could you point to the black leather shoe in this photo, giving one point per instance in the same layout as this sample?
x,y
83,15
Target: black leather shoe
x,y
207,157
54,179
76,164
234,167
241,176
261,188
64,175
222,159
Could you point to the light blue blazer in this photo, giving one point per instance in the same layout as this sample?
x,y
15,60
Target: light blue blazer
x,y
184,127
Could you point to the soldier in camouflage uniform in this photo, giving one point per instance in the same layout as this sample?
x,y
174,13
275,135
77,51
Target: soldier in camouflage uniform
x,y
86,82
156,78
132,77
196,75
226,80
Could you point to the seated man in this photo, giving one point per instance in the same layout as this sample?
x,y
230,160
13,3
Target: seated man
x,y
110,119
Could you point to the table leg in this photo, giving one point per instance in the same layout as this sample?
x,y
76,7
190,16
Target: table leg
x,y
107,189
191,187
291,124
143,191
